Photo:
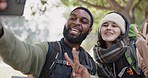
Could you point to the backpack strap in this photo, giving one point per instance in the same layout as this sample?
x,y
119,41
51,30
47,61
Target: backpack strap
x,y
91,64
130,55
131,60
53,51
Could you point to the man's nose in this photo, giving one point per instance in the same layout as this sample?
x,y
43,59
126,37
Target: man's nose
x,y
77,22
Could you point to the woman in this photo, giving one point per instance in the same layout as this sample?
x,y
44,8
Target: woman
x,y
113,48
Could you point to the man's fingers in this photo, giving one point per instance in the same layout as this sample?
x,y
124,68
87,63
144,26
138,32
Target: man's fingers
x,y
80,69
69,61
76,59
75,55
73,74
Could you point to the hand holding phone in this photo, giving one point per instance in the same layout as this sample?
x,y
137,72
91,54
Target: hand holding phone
x,y
3,4
14,7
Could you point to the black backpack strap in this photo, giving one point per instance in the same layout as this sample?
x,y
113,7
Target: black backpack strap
x,y
134,57
91,64
53,52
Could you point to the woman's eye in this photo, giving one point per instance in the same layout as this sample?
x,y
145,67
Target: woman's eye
x,y
115,25
105,25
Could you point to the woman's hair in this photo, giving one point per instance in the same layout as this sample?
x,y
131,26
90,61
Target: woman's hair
x,y
102,43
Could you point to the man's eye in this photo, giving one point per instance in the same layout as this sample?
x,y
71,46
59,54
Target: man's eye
x,y
84,21
72,18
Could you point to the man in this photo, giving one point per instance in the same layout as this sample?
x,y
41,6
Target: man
x,y
30,58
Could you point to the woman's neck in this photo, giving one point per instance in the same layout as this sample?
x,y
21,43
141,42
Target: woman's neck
x,y
108,44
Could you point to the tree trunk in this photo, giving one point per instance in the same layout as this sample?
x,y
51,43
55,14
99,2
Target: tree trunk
x,y
129,16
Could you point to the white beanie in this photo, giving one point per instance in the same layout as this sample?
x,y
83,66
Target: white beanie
x,y
114,17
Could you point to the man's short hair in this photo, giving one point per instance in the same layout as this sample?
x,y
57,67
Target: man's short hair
x,y
85,9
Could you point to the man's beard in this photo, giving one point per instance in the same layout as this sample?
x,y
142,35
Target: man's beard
x,y
75,40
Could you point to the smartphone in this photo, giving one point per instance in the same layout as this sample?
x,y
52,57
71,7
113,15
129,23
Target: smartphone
x,y
15,8
18,77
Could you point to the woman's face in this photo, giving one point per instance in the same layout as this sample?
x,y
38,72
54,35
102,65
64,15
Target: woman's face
x,y
110,31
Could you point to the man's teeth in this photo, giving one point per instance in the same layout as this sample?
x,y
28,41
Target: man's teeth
x,y
75,30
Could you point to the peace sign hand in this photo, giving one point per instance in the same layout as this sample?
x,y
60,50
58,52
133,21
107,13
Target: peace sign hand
x,y
79,71
142,46
145,31
144,34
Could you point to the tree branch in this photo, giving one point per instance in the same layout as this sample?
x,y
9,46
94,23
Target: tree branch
x,y
114,5
123,1
133,9
96,6
137,4
129,4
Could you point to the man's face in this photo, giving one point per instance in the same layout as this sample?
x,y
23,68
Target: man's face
x,y
78,26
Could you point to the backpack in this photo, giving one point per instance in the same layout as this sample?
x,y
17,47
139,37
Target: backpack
x,y
131,55
51,60
131,58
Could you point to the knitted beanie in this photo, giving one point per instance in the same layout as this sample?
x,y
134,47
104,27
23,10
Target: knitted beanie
x,y
116,18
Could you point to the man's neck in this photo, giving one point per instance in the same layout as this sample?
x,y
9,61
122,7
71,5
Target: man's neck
x,y
77,46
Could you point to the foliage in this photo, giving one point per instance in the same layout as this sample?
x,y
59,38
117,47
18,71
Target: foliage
x,y
134,10
129,8
24,29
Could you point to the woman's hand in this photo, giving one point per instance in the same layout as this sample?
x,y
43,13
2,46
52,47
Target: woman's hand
x,y
144,34
79,71
142,46
145,31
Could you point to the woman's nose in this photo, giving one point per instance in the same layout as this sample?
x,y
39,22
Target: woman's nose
x,y
109,26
